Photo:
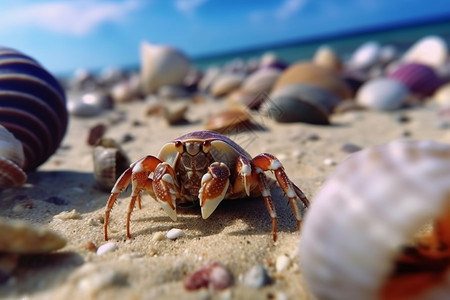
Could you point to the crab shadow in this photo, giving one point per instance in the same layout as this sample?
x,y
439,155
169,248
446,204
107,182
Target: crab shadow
x,y
251,211
47,193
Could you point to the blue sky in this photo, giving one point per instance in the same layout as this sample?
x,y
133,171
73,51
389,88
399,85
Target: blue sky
x,y
66,35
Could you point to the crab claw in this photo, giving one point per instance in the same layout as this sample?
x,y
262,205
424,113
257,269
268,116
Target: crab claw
x,y
165,189
215,184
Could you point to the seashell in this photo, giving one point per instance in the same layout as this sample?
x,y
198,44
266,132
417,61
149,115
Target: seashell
x,y
442,95
24,238
226,83
365,56
430,50
127,90
420,79
388,54
311,93
377,241
326,57
162,65
271,60
230,120
209,76
174,112
309,73
109,163
32,106
11,160
172,92
382,94
251,100
261,81
213,275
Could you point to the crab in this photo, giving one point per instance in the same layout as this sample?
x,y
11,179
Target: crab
x,y
207,167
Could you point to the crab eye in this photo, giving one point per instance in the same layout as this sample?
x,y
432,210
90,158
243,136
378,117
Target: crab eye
x,y
179,146
206,146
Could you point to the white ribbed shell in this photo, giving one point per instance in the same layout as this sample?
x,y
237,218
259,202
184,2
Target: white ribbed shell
x,y
373,204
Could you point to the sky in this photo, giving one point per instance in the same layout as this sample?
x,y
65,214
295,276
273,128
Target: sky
x,y
95,34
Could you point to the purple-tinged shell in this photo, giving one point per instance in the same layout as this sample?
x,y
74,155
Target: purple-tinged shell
x,y
419,78
32,106
382,94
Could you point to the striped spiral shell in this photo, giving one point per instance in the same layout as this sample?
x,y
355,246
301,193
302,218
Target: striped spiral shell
x,y
379,227
32,106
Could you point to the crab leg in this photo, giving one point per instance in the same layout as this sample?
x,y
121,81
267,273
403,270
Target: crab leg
x,y
268,162
215,184
166,189
265,192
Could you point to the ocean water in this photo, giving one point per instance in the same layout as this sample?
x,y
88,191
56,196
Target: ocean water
x,y
401,38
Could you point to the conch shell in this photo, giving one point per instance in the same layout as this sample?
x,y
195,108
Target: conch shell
x,y
380,226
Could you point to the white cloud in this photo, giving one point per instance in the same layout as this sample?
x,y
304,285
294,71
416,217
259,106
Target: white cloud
x,y
188,7
288,8
68,17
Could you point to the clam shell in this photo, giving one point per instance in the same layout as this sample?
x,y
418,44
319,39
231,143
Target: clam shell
x,y
162,65
261,81
420,79
369,208
442,95
226,83
109,163
326,57
230,120
23,238
11,160
32,106
309,73
430,50
382,94
366,55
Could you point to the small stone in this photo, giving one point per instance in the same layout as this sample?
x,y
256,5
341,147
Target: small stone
x,y
106,248
214,275
174,233
157,236
283,262
329,162
256,277
57,200
91,246
67,215
96,133
350,148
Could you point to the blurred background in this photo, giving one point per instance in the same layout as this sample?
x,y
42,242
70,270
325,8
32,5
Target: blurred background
x,y
96,34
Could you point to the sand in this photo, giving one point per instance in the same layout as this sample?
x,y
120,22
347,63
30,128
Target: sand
x,y
238,233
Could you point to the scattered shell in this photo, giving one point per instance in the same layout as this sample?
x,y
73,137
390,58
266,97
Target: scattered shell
x,y
91,246
106,248
430,50
382,94
261,81
174,233
329,162
251,100
405,187
366,55
300,103
23,238
157,236
226,83
442,95
109,163
32,106
11,160
68,215
309,73
96,133
230,120
256,277
172,92
420,79
162,65
174,112
282,263
271,60
213,275
326,57
127,90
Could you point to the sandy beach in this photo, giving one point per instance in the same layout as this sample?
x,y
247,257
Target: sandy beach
x,y
238,234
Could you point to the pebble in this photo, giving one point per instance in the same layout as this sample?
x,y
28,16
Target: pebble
x,y
282,263
106,248
68,215
329,162
256,277
350,148
213,275
157,236
174,233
